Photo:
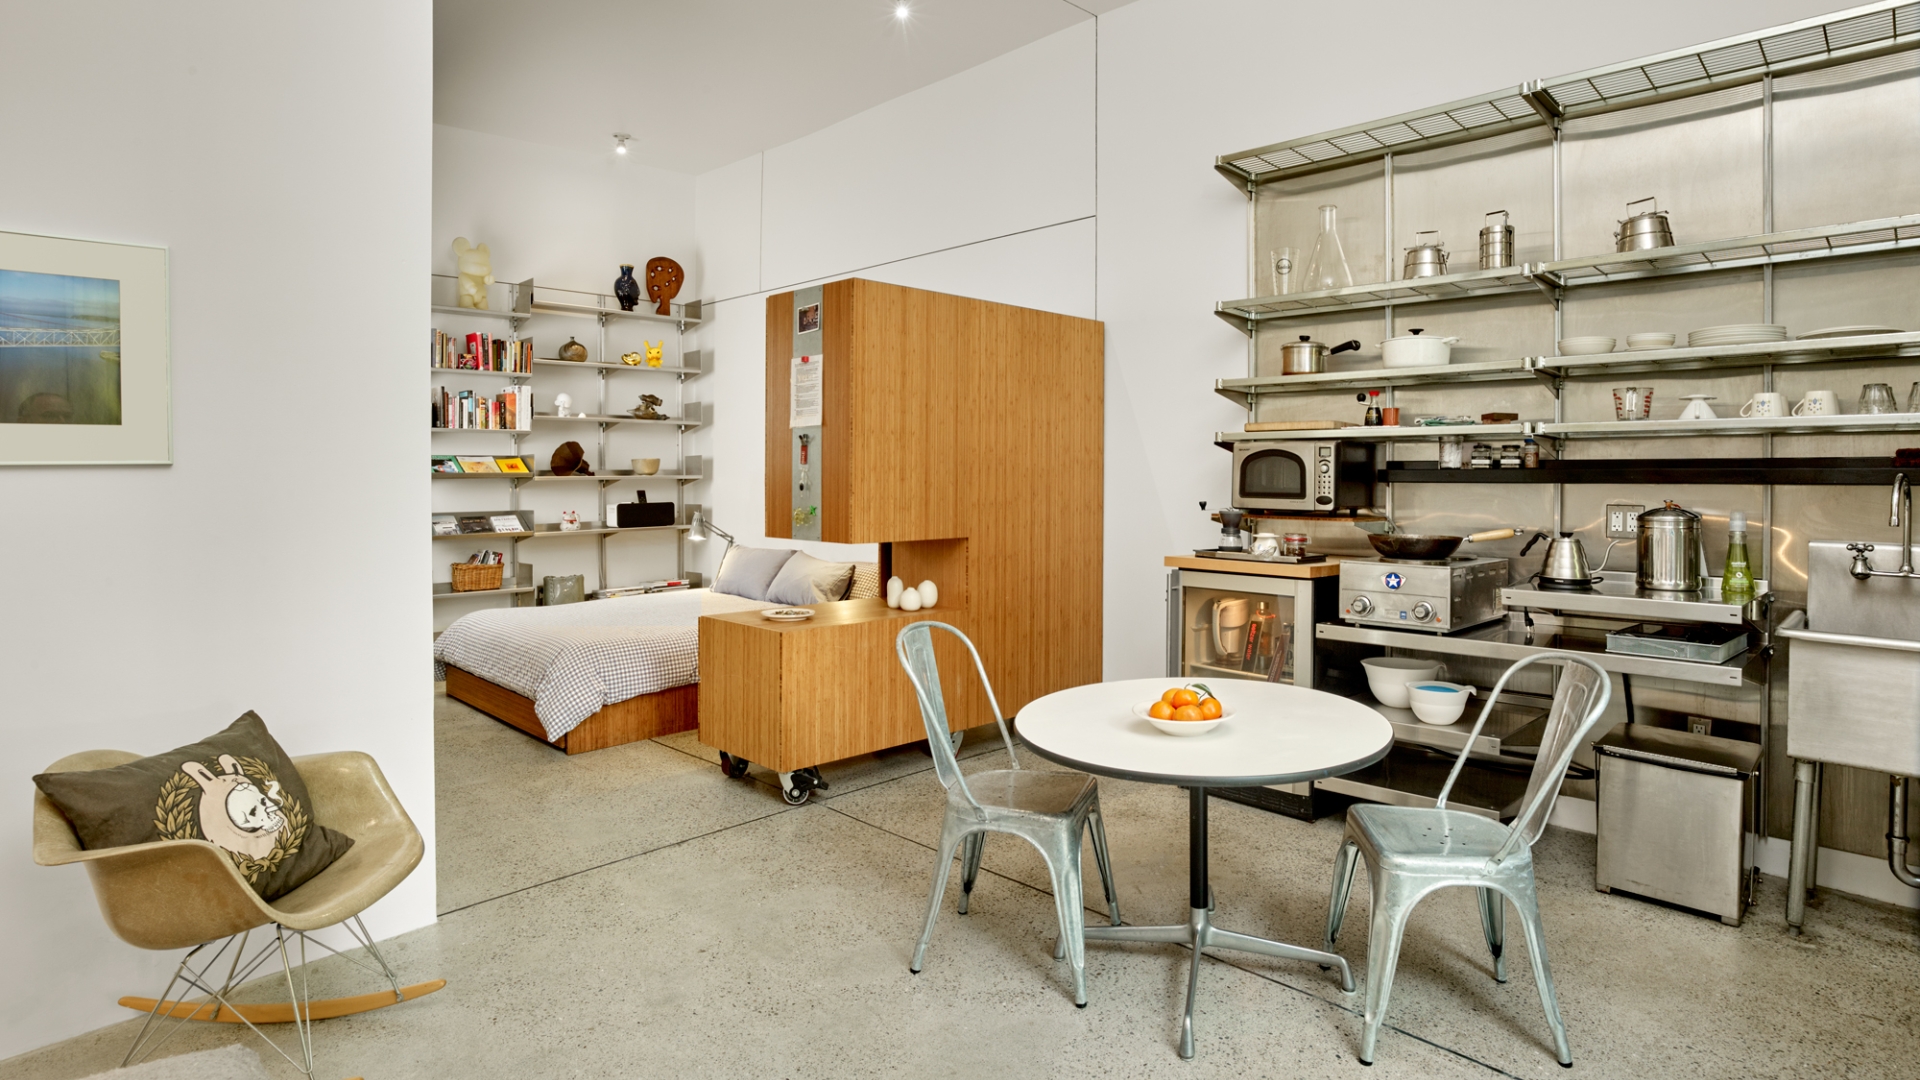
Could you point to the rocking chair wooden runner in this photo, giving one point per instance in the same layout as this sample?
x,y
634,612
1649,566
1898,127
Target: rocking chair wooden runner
x,y
187,894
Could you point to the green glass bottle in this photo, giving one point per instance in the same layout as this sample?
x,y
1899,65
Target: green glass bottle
x,y
1736,578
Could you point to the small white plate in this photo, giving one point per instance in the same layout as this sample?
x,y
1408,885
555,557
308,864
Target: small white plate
x,y
1851,331
787,614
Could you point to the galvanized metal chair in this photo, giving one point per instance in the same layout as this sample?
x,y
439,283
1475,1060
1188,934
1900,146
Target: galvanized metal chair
x,y
1413,851
1047,809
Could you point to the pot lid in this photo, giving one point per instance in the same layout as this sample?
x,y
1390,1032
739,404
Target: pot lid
x,y
1305,340
1670,516
1415,335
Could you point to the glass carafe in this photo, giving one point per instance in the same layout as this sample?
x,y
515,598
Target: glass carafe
x,y
1327,266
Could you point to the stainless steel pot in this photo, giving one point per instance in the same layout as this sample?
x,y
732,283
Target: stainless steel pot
x,y
1496,242
1643,231
1672,555
1426,259
1307,356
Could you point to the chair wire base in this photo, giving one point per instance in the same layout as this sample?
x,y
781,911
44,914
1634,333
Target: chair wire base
x,y
157,1031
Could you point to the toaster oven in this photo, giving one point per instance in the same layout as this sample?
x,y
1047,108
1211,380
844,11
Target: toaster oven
x,y
1316,476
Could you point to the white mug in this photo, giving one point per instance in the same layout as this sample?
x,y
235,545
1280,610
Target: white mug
x,y
1818,403
1765,404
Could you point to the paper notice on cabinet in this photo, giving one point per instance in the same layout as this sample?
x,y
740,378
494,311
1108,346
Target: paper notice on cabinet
x,y
804,392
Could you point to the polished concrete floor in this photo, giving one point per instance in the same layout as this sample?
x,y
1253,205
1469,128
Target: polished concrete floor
x,y
633,913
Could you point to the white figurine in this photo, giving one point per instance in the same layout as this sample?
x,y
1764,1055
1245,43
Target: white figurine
x,y
909,599
561,404
476,272
929,594
894,588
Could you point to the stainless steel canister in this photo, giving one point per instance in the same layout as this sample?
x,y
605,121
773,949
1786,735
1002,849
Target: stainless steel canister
x,y
1425,259
1673,557
1496,242
1643,231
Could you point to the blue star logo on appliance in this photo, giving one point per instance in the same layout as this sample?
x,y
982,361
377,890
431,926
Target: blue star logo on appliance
x,y
1394,581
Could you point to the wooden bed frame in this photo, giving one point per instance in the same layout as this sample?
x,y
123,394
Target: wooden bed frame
x,y
648,716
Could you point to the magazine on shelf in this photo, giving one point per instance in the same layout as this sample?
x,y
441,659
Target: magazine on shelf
x,y
506,523
478,465
446,465
474,525
513,465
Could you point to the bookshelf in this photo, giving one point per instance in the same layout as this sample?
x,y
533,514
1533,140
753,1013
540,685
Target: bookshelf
x,y
603,389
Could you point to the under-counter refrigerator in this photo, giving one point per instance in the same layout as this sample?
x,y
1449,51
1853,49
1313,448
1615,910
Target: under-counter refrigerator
x,y
1236,619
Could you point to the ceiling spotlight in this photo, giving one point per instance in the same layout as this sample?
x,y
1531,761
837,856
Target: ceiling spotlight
x,y
901,11
620,142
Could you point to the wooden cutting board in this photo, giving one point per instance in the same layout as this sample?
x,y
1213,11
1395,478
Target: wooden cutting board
x,y
1297,425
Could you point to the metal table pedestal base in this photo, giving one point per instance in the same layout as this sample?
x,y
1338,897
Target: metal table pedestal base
x,y
1199,933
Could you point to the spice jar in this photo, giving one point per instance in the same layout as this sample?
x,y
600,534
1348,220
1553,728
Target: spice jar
x,y
1452,452
1510,455
1294,544
1530,454
1481,456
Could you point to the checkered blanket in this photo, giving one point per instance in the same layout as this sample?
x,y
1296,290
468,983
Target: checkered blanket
x,y
573,659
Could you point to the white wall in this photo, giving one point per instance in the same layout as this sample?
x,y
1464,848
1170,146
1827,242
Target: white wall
x,y
979,185
566,220
281,154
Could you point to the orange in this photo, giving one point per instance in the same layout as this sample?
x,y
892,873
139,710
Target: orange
x,y
1160,710
1188,712
1168,696
1183,696
1210,708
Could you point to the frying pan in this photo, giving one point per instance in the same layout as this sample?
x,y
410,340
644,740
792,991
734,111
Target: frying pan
x,y
1415,546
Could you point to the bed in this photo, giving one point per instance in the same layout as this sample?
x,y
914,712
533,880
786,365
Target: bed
x,y
586,676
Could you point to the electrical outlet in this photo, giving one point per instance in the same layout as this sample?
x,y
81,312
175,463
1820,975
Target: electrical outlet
x,y
1623,521
1700,725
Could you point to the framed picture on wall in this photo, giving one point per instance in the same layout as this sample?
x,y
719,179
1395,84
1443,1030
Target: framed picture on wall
x,y
84,364
807,319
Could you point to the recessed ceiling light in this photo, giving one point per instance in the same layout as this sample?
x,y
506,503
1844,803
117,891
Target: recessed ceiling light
x,y
620,142
901,11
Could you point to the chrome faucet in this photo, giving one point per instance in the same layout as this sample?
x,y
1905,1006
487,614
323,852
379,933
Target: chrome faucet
x,y
1902,494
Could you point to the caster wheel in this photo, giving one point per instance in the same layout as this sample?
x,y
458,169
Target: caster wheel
x,y
796,795
733,767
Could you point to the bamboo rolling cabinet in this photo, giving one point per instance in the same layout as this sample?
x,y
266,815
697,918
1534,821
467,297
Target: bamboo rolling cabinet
x,y
964,438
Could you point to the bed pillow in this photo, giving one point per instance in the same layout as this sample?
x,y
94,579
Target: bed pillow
x,y
807,580
235,789
748,571
866,581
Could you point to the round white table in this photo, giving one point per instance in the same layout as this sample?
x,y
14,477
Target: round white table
x,y
1277,734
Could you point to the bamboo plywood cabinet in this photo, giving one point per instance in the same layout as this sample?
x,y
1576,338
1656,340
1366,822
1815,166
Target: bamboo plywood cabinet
x,y
966,438
790,696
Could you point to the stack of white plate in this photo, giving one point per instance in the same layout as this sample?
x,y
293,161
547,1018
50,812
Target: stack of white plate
x,y
1851,331
1737,334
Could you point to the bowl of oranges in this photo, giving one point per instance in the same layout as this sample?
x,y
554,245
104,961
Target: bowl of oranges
x,y
1185,710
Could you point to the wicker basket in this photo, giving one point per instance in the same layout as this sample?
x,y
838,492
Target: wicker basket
x,y
470,577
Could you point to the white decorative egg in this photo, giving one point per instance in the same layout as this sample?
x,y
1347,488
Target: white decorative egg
x,y
929,594
894,587
910,600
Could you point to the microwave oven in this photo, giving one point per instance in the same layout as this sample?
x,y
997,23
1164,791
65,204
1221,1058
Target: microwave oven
x,y
1314,476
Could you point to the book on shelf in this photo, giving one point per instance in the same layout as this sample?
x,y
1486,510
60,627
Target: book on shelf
x,y
509,410
480,352
512,465
478,465
446,464
446,528
474,525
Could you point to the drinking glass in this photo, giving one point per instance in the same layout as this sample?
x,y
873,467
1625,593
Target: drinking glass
x,y
1877,398
1283,262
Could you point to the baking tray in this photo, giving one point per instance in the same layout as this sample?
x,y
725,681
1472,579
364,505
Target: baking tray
x,y
1245,556
1698,642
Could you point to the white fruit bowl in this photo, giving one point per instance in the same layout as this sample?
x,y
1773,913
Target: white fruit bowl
x,y
1183,727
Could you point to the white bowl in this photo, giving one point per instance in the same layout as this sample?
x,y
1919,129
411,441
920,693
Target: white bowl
x,y
1388,676
1651,341
1437,702
1586,346
1186,728
1140,711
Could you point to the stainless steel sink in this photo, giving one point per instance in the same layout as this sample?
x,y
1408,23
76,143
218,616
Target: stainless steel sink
x,y
1853,692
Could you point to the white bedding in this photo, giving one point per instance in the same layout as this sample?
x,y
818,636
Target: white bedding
x,y
572,659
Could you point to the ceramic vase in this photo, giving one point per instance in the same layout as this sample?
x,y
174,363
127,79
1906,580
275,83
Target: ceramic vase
x,y
626,289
